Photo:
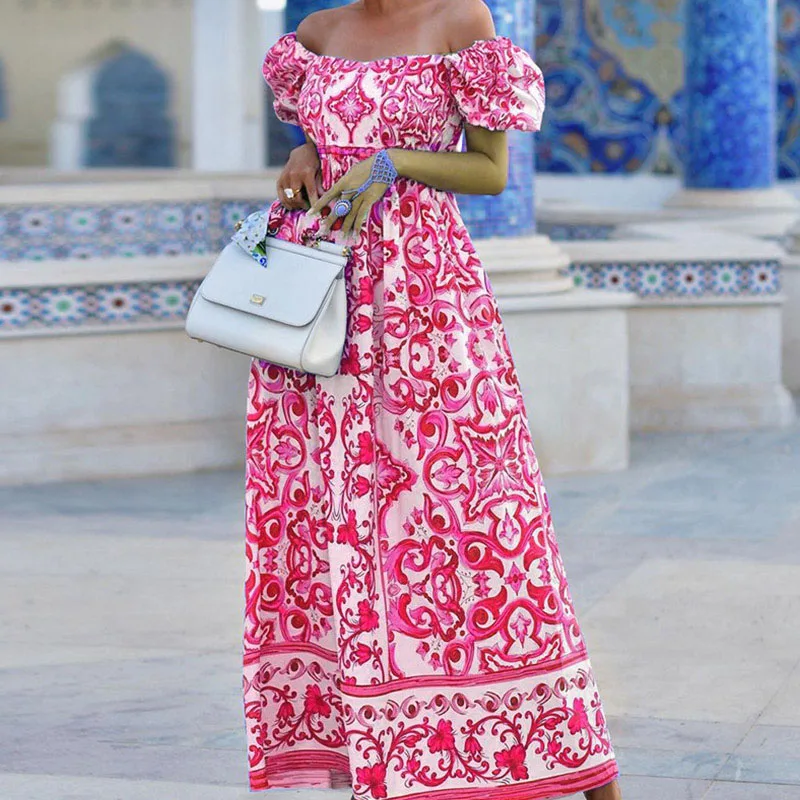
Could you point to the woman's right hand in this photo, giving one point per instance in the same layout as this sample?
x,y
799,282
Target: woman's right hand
x,y
302,174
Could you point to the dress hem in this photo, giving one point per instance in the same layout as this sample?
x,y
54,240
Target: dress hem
x,y
543,789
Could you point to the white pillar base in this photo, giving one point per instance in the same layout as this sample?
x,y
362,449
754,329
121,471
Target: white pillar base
x,y
570,351
525,266
708,365
711,408
773,199
119,405
700,363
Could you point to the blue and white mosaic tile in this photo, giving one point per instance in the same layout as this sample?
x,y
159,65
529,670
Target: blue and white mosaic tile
x,y
610,110
691,279
730,94
652,280
761,278
58,306
64,308
14,307
604,112
788,120
40,233
70,308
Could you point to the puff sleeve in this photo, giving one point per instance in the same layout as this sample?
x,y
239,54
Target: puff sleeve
x,y
497,85
284,69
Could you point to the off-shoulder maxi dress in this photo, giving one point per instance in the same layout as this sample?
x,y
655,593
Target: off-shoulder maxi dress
x,y
409,629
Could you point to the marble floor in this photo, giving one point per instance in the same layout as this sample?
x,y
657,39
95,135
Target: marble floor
x,y
121,615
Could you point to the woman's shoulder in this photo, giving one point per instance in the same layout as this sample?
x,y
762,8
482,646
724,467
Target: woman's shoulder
x,y
314,29
467,21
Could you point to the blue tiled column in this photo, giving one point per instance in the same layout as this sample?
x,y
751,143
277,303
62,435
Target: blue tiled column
x,y
731,94
512,212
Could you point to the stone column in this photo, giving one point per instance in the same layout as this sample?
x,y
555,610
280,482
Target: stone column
x,y
228,92
731,106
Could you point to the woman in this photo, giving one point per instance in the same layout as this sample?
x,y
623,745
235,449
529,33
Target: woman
x,y
409,628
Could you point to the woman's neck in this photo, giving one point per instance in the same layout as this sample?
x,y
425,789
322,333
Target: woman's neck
x,y
378,7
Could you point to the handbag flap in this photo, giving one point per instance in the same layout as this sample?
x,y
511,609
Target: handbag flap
x,y
289,289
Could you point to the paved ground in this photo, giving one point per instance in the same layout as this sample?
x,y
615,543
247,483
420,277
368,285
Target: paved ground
x,y
121,614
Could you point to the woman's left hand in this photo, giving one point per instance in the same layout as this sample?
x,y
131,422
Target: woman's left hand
x,y
354,178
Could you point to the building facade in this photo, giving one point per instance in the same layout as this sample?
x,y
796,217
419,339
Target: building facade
x,y
617,98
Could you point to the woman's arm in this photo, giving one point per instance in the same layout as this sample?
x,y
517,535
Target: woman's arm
x,y
483,169
302,171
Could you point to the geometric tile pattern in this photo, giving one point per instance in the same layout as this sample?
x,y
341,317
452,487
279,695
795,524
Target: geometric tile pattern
x,y
686,279
36,233
71,307
788,88
606,113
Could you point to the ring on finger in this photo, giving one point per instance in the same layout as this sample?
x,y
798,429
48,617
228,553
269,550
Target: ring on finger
x,y
290,193
343,206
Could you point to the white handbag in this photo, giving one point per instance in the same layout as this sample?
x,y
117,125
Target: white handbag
x,y
289,307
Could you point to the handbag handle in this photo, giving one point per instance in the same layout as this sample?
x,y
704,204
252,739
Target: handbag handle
x,y
307,238
310,239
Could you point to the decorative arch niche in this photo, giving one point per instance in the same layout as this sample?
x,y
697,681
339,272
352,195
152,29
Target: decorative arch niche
x,y
114,112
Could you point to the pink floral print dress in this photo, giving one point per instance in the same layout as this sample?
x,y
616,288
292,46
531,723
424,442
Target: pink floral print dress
x,y
409,629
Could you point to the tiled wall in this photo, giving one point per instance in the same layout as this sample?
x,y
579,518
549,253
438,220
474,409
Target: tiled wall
x,y
39,233
614,72
36,233
75,307
690,279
